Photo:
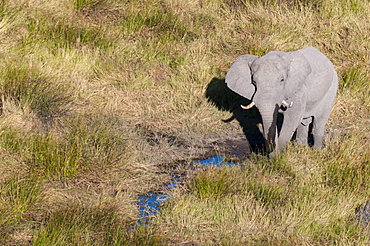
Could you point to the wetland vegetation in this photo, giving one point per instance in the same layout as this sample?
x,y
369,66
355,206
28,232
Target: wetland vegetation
x,y
102,100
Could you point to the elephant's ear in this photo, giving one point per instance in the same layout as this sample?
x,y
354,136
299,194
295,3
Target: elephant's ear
x,y
298,70
238,78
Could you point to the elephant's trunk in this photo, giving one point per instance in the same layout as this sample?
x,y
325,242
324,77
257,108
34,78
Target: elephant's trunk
x,y
269,127
269,117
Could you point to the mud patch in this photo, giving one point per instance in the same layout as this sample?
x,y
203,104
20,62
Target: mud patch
x,y
177,156
237,148
154,137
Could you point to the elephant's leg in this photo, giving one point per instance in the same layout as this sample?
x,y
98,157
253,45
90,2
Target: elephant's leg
x,y
302,134
290,124
319,123
318,135
293,117
286,134
318,132
302,131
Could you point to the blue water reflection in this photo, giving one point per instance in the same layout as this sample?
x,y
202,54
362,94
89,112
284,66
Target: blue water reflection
x,y
149,204
216,161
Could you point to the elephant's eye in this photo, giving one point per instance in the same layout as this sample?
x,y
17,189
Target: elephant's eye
x,y
282,80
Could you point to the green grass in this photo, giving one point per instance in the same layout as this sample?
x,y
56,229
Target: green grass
x,y
29,89
74,225
211,184
60,34
102,99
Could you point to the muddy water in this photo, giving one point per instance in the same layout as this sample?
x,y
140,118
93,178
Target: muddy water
x,y
150,203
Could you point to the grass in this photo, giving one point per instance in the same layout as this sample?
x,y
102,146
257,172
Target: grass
x,y
29,90
102,99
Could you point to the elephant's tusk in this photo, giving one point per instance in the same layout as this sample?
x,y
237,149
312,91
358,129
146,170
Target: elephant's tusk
x,y
248,106
260,127
285,104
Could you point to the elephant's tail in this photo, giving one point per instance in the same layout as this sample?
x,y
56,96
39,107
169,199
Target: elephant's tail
x,y
229,119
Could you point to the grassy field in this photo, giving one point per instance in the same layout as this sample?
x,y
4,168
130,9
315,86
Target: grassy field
x,y
101,100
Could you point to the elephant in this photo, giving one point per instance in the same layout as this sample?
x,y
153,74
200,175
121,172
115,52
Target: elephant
x,y
296,88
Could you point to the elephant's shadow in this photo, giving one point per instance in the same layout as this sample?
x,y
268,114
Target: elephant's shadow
x,y
225,99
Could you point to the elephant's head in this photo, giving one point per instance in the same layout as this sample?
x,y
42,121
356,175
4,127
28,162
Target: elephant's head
x,y
271,82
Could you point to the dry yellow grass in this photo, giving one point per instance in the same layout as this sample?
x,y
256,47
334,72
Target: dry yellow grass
x,y
126,83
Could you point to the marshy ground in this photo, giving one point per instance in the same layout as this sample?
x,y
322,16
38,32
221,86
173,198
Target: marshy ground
x,y
101,100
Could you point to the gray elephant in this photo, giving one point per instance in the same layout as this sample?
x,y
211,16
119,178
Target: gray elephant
x,y
300,86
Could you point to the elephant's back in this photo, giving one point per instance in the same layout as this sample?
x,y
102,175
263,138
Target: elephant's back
x,y
322,78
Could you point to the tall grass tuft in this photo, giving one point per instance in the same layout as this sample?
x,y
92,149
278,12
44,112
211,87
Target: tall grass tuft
x,y
347,167
82,4
17,196
211,184
29,88
59,34
46,154
53,157
79,225
82,145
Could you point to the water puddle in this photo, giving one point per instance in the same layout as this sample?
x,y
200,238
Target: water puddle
x,y
217,161
149,204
